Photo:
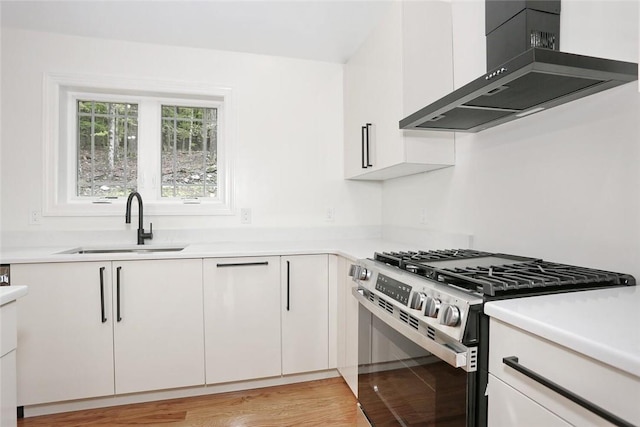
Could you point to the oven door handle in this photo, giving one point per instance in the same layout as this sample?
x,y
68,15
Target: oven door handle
x,y
458,359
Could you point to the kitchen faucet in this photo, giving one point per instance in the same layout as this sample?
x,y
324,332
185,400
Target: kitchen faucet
x,y
127,219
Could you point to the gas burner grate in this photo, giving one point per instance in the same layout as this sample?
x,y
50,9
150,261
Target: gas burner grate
x,y
527,276
494,274
401,259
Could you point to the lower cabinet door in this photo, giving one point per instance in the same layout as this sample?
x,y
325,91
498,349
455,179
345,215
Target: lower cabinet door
x,y
508,408
305,313
242,318
8,389
348,327
158,318
65,332
352,308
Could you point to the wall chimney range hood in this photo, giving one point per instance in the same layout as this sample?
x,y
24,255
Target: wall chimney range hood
x,y
526,74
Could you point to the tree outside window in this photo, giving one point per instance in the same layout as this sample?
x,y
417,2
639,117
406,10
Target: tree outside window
x,y
107,149
107,152
189,151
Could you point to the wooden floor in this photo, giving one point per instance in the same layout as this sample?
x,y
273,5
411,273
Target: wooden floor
x,y
315,403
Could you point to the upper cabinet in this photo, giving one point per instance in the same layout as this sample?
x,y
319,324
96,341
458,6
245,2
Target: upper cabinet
x,y
404,64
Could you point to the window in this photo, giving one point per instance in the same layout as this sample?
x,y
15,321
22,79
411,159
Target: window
x,y
106,150
108,138
189,151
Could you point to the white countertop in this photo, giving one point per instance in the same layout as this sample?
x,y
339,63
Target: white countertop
x,y
602,324
11,293
349,248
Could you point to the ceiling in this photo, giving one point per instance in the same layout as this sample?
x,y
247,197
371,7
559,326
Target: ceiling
x,y
324,30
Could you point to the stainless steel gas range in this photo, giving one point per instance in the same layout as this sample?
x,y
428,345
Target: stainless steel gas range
x,y
423,336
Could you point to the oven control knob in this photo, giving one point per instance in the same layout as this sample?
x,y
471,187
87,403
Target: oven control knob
x,y
417,300
450,316
432,307
359,273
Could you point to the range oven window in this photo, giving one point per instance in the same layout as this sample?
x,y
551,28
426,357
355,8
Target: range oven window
x,y
401,384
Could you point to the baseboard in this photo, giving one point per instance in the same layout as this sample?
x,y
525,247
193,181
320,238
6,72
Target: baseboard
x,y
102,402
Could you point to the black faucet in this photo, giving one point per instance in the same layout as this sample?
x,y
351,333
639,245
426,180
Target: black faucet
x,y
127,218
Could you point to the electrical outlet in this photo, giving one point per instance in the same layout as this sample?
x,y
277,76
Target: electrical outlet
x,y
35,217
330,214
245,216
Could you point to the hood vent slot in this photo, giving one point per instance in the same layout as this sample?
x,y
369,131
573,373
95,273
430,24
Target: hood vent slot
x,y
514,26
544,40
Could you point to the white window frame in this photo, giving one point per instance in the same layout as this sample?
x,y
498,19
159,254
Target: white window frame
x,y
61,92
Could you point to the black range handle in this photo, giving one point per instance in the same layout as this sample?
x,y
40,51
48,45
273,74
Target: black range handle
x,y
288,283
367,127
242,264
103,316
118,317
512,362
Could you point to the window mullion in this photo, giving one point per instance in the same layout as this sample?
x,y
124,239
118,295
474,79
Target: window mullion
x,y
93,147
125,145
205,133
174,150
148,152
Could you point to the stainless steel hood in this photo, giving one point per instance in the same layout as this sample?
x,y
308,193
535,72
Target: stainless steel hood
x,y
532,81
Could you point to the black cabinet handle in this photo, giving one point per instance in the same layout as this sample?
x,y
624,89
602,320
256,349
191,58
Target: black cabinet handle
x,y
362,140
242,264
118,317
368,148
288,282
512,362
104,318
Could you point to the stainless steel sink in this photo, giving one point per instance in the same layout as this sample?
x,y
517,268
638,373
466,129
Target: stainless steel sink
x,y
127,250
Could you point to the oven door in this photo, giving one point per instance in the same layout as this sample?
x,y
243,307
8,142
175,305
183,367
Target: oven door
x,y
402,384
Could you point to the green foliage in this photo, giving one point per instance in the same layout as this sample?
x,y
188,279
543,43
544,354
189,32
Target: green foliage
x,y
105,117
107,149
189,128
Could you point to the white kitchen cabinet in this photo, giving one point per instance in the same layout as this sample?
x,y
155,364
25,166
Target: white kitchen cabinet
x,y
69,331
305,313
159,325
8,414
348,327
603,385
342,315
404,65
8,346
242,318
65,332
517,409
332,312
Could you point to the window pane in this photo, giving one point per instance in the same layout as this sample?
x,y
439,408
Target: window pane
x,y
189,151
107,148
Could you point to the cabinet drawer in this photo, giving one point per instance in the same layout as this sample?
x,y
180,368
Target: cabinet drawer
x,y
611,389
516,409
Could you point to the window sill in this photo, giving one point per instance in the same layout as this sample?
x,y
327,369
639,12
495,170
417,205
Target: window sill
x,y
153,208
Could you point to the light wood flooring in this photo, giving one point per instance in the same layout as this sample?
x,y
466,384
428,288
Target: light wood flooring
x,y
315,403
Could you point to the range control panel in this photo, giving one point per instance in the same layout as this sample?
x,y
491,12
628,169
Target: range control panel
x,y
392,288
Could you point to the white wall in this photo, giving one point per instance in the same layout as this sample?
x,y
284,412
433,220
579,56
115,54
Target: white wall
x,y
562,184
288,168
